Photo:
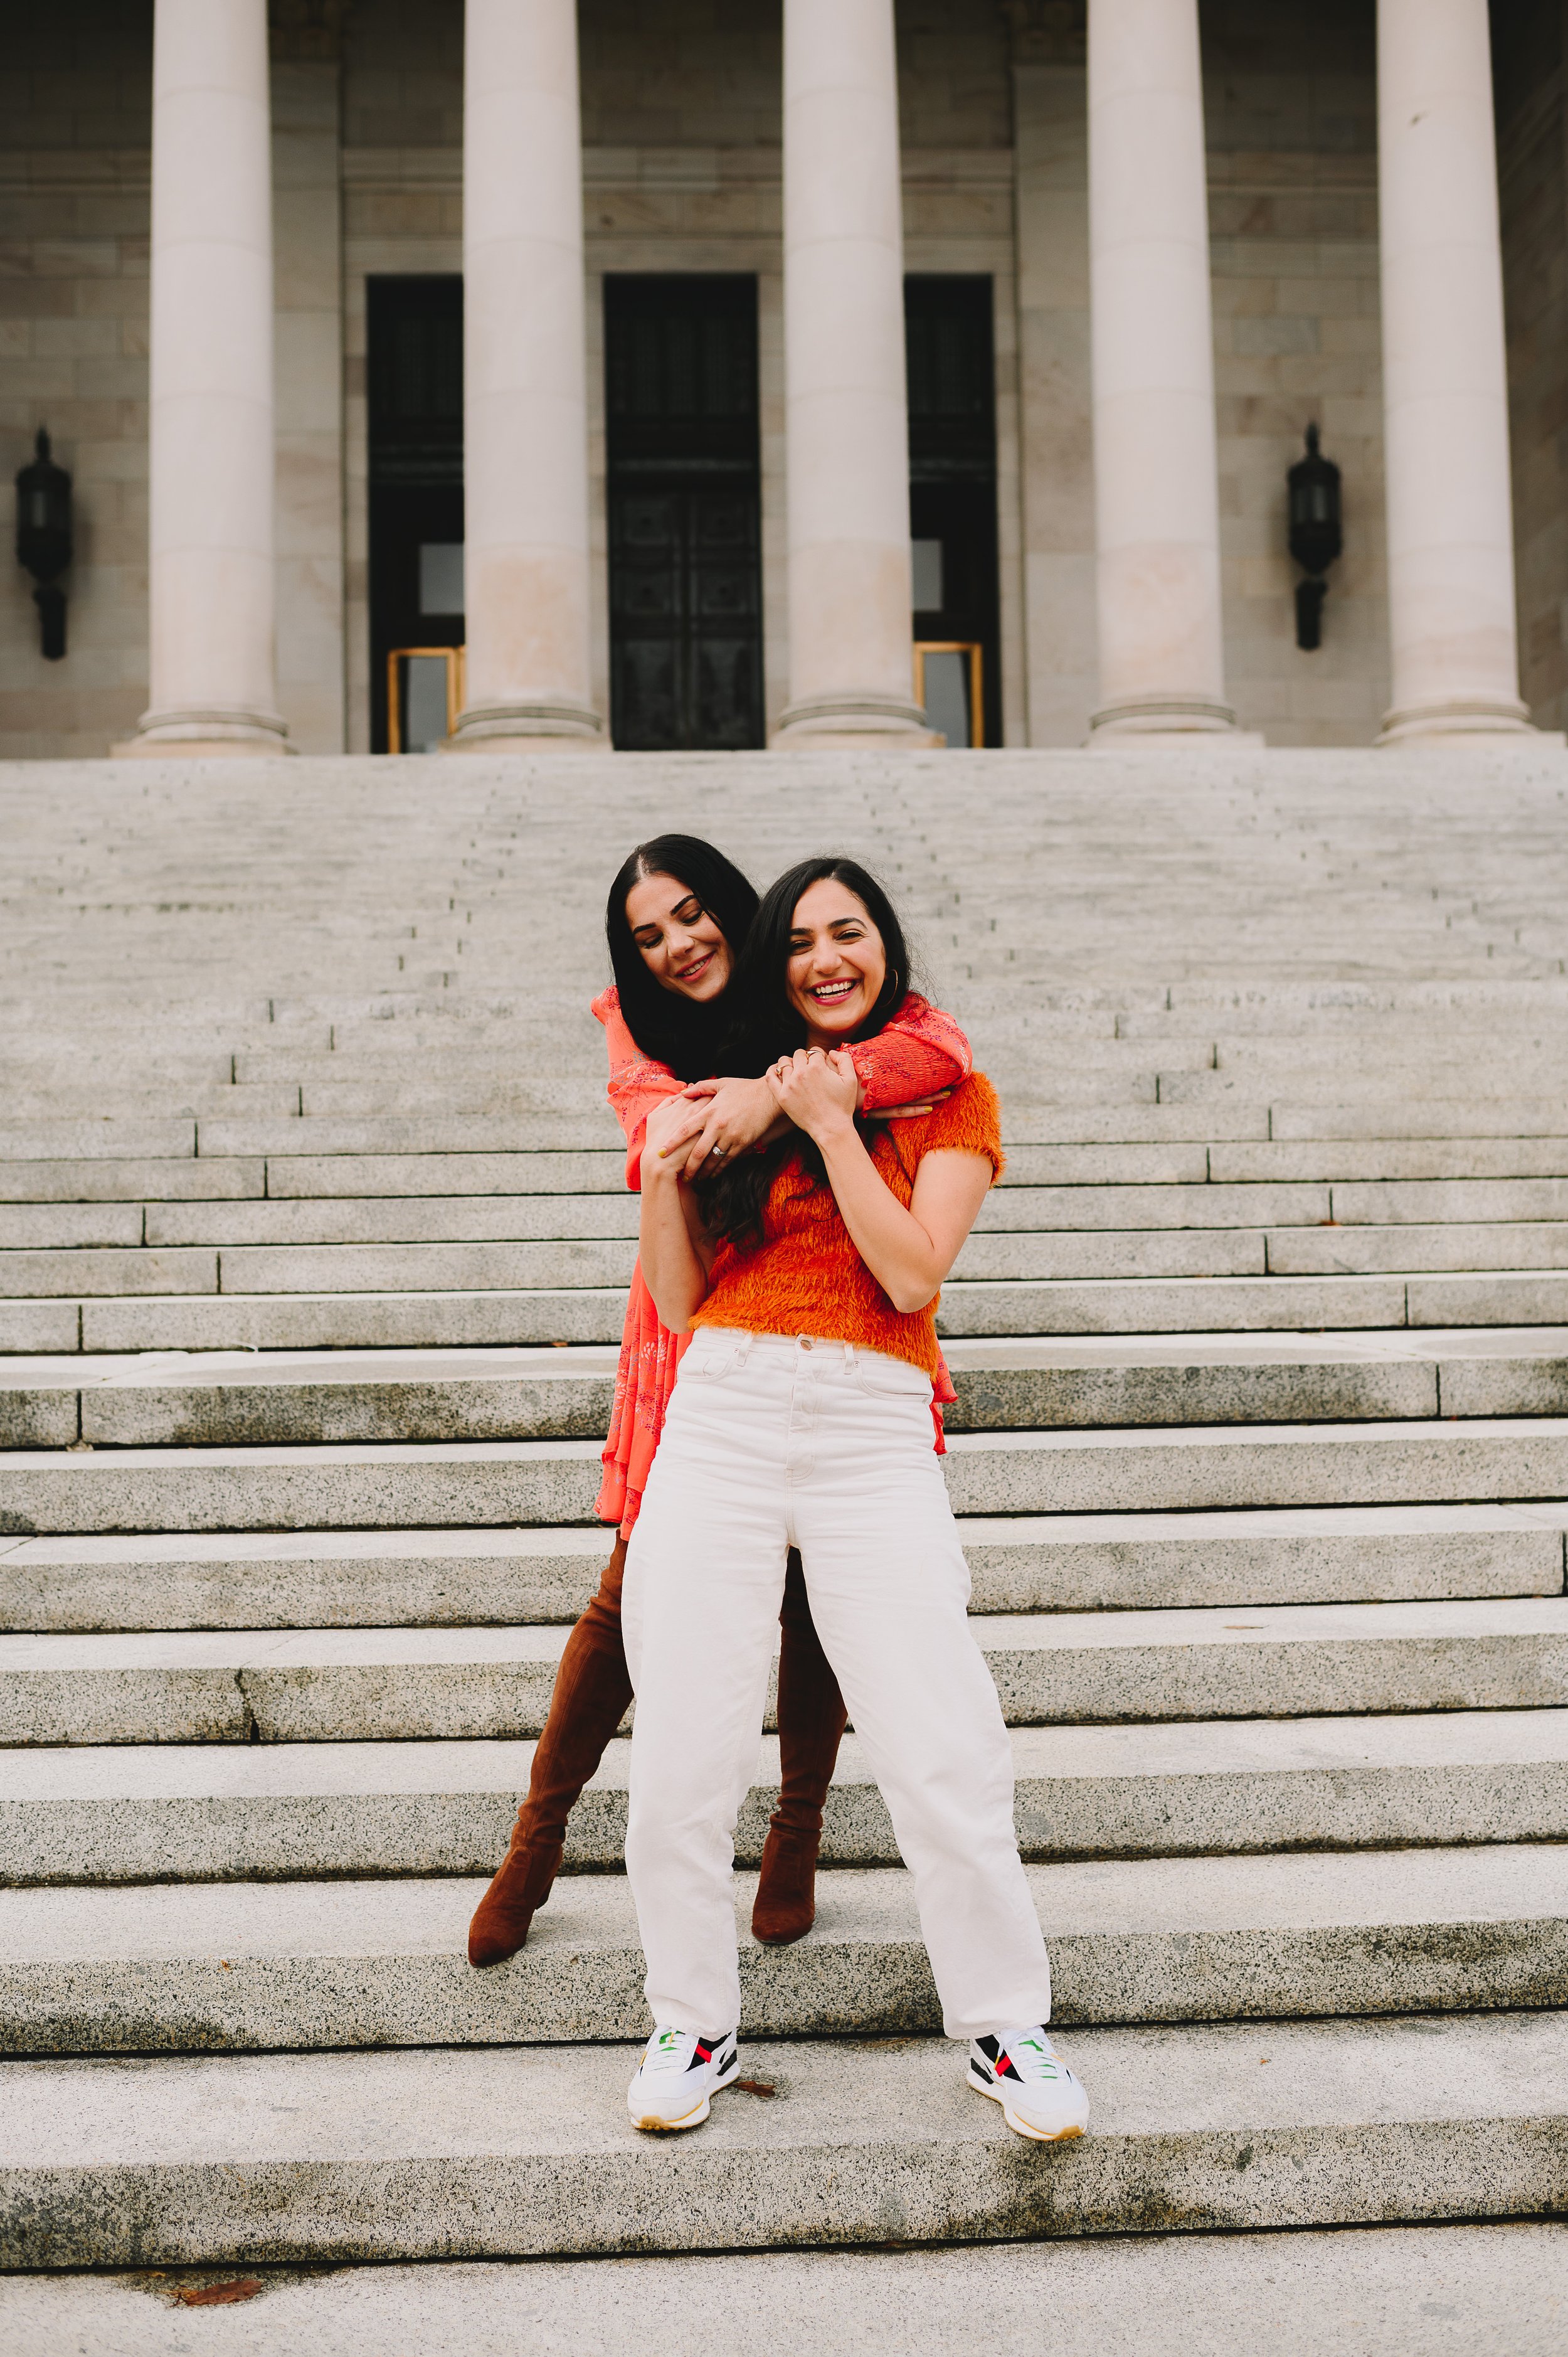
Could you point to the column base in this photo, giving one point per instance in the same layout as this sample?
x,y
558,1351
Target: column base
x,y
854,721
1167,720
558,721
1462,720
206,731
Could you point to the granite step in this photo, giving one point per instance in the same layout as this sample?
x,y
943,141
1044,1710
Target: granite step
x,y
234,1215
304,1579
1434,2290
502,1317
205,1967
298,1177
421,1685
1376,1159
1133,1124
403,1485
570,1263
543,1218
241,1398
458,1196
433,2153
493,1217
228,1813
213,1178
1413,1250
128,1180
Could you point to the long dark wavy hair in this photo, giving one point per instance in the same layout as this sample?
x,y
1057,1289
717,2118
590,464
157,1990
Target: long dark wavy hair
x,y
764,1026
684,1033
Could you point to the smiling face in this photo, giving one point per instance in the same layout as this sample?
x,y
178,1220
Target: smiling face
x,y
837,962
680,943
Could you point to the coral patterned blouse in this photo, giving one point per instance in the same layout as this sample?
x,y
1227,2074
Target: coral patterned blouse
x,y
922,1051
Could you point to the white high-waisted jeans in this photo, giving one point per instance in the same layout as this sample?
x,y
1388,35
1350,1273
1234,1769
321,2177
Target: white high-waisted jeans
x,y
771,1442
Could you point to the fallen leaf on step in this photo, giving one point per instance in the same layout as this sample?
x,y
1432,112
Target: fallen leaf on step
x,y
755,2087
224,2294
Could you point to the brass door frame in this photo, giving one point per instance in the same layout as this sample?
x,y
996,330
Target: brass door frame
x,y
972,649
453,658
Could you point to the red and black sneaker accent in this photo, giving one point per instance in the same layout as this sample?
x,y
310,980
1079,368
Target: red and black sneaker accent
x,y
1021,2070
681,2070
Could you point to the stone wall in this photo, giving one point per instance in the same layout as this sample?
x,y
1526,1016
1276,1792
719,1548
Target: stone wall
x,y
75,101
74,199
1291,105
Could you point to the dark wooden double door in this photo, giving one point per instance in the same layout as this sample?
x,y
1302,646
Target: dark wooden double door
x,y
686,572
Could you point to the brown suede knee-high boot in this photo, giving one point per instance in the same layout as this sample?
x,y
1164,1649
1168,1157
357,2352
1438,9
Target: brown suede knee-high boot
x,y
592,1691
810,1721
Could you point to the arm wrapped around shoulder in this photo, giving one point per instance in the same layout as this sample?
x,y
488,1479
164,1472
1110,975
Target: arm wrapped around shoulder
x,y
969,1122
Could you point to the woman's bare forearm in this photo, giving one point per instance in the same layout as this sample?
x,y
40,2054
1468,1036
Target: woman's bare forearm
x,y
673,1269
907,1260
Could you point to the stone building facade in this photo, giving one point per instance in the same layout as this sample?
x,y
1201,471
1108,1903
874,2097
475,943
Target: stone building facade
x,y
1064,286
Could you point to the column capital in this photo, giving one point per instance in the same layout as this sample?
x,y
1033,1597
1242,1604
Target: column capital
x,y
1046,32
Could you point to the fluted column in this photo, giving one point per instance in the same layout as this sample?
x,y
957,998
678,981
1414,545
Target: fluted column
x,y
1451,629
210,586
1157,501
851,618
525,431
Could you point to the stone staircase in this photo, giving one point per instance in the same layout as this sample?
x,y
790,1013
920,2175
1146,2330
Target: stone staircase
x,y
313,1237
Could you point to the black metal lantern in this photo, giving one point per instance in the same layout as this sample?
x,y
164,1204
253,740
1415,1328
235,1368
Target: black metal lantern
x,y
1315,538
43,540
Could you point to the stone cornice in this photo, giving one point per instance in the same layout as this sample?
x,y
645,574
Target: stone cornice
x,y
671,167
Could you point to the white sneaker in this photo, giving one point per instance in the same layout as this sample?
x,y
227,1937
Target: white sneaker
x,y
1021,2070
679,2071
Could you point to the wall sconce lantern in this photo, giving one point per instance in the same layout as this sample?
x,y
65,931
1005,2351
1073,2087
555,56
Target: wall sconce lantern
x,y
1316,539
43,540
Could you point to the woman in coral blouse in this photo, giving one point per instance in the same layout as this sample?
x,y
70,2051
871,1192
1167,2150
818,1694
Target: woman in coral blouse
x,y
809,1277
677,914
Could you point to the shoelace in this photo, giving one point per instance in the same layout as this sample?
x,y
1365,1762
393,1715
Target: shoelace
x,y
668,2051
1033,2056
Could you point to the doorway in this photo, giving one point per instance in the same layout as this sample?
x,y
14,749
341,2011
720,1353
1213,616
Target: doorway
x,y
414,378
684,511
952,501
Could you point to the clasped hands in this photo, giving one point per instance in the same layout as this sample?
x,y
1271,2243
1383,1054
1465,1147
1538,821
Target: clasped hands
x,y
817,1087
712,1121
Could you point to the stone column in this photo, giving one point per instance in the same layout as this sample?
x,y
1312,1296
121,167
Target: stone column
x,y
525,432
210,590
1156,499
1451,578
308,241
851,617
1051,236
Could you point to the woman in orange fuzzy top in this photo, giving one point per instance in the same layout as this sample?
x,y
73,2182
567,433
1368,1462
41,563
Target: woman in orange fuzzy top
x,y
810,1274
678,915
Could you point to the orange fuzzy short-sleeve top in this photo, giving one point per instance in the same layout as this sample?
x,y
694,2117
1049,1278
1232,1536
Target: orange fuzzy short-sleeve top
x,y
806,1276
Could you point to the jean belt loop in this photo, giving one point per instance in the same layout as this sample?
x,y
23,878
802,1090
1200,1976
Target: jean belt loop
x,y
744,1352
